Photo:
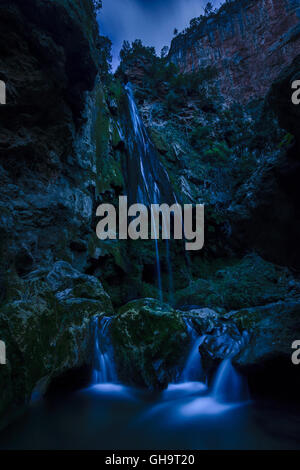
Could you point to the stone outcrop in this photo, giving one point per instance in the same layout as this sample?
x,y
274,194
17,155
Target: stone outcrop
x,y
259,342
248,41
47,332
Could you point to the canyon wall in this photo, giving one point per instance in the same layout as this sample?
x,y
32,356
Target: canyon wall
x,y
248,41
48,175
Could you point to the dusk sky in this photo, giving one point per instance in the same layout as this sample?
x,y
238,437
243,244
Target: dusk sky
x,y
153,21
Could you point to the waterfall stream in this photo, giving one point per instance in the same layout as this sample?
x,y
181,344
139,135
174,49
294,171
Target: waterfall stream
x,y
147,180
228,386
103,364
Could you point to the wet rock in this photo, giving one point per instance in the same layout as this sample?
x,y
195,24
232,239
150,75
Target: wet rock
x,y
149,338
272,328
224,341
46,329
64,278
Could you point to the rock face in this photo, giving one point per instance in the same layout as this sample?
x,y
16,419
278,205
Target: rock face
x,y
280,99
47,153
248,41
48,176
272,328
259,342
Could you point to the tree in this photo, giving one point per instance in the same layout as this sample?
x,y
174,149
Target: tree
x,y
164,52
195,22
136,49
208,9
97,5
175,32
125,51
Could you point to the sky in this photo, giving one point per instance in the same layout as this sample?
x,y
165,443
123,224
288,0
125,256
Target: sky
x,y
152,21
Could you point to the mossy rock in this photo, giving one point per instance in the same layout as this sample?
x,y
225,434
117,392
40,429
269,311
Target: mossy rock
x,y
273,328
149,339
249,282
46,329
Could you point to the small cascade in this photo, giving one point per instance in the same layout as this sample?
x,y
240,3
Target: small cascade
x,y
229,386
103,367
193,371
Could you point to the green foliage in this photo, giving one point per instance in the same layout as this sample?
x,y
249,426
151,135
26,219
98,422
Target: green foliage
x,y
218,153
287,140
136,49
162,79
116,90
199,135
97,5
173,101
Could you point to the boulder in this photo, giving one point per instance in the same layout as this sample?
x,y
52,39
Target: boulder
x,y
272,328
46,329
242,283
149,338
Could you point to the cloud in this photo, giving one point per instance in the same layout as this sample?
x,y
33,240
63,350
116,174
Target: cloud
x,y
153,21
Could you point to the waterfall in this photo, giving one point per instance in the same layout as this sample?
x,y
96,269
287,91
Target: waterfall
x,y
103,364
147,180
193,368
228,385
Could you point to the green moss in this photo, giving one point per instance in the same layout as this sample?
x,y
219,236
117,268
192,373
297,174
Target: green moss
x,y
47,329
248,282
149,338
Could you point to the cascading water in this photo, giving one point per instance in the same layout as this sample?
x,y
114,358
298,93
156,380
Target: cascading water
x,y
193,369
147,180
229,386
103,367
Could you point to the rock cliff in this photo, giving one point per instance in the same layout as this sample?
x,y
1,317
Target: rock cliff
x,y
248,41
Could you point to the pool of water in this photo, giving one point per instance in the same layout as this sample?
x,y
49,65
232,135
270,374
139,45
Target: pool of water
x,y
185,416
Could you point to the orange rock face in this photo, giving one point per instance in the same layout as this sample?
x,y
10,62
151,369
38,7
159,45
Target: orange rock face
x,y
249,42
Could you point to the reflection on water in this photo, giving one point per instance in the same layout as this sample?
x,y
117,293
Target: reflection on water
x,y
185,416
